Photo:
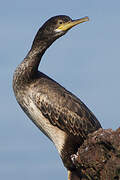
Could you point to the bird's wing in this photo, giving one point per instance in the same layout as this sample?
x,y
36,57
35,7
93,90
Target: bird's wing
x,y
65,110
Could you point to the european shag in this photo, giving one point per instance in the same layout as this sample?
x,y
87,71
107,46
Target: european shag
x,y
59,114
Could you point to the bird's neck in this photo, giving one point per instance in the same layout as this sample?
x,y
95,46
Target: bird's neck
x,y
28,68
32,60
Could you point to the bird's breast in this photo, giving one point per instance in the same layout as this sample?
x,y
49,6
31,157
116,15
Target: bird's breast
x,y
55,134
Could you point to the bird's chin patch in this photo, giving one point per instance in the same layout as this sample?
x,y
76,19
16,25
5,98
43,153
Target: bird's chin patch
x,y
60,32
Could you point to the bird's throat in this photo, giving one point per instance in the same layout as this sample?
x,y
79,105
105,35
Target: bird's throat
x,y
28,68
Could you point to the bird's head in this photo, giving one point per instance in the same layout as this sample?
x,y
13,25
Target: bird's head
x,y
56,27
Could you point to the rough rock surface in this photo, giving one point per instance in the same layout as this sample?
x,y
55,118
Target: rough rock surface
x,y
99,157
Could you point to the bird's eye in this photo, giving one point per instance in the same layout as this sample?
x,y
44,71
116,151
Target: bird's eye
x,y
60,22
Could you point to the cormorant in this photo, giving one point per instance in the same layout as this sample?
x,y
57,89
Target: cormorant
x,y
59,114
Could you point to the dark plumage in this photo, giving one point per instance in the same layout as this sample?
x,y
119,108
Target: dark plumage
x,y
60,115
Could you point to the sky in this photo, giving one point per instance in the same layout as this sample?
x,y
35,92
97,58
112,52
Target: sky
x,y
86,61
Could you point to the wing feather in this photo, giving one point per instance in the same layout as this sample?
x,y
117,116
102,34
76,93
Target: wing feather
x,y
62,108
76,119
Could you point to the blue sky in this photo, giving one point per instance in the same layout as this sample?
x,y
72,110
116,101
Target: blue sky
x,y
86,61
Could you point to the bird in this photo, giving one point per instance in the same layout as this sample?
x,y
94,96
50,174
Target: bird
x,y
57,112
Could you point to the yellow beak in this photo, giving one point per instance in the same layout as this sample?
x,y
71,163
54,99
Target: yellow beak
x,y
68,25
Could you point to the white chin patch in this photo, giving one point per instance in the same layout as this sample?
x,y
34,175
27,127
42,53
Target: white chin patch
x,y
58,30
